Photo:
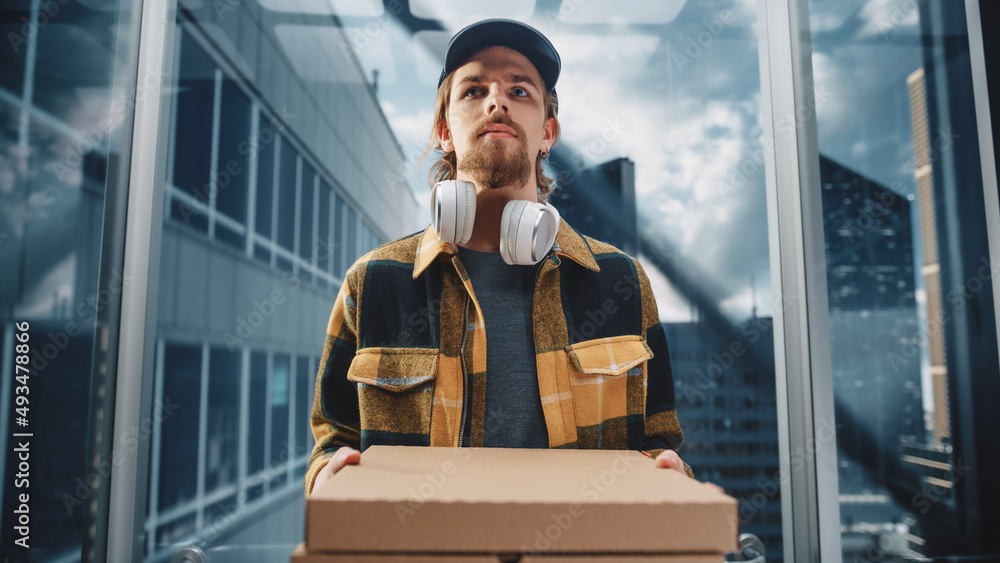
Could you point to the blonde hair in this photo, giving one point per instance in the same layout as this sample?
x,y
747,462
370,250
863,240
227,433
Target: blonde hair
x,y
446,167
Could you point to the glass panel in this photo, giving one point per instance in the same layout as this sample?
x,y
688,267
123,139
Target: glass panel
x,y
232,172
280,408
67,89
266,141
912,335
287,173
305,377
306,207
340,234
224,369
351,240
193,143
324,240
179,434
257,405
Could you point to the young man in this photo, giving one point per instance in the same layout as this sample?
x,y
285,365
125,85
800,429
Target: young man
x,y
481,331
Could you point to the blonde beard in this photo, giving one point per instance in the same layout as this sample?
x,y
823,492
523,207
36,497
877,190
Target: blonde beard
x,y
491,166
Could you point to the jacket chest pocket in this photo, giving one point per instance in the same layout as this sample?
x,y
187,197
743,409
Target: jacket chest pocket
x,y
395,394
608,382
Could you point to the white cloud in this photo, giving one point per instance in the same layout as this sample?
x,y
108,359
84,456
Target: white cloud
x,y
619,57
827,16
887,17
671,305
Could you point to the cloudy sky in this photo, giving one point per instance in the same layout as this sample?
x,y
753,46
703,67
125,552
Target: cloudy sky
x,y
675,86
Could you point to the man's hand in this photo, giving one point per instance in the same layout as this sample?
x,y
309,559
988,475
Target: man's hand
x,y
345,455
671,460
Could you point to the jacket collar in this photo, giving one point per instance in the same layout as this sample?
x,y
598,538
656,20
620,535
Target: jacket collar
x,y
569,243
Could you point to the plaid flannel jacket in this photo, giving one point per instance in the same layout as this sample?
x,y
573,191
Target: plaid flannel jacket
x,y
404,361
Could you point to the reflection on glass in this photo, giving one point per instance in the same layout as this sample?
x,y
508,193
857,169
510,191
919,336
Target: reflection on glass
x,y
898,165
257,404
233,163
221,456
264,171
65,104
193,158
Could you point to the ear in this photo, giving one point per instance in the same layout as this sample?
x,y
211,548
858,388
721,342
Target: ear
x,y
444,136
549,133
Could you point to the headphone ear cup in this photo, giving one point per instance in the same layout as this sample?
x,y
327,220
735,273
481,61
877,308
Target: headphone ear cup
x,y
508,230
465,211
544,232
453,210
527,232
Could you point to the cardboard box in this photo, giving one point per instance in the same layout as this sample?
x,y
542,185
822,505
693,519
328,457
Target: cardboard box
x,y
301,555
403,499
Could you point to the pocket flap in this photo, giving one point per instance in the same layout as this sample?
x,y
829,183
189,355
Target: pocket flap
x,y
393,369
609,356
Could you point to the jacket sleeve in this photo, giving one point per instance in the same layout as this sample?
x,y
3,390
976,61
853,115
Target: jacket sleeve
x,y
335,416
662,429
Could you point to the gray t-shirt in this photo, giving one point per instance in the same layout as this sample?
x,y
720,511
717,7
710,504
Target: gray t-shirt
x,y
514,417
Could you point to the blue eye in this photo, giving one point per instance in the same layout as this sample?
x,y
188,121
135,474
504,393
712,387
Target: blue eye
x,y
520,92
474,91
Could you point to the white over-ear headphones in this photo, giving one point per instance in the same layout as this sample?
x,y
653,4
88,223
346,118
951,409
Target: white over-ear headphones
x,y
527,229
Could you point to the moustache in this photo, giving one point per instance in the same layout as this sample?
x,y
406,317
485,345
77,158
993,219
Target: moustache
x,y
498,118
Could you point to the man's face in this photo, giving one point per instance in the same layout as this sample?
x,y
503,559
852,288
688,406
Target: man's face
x,y
496,120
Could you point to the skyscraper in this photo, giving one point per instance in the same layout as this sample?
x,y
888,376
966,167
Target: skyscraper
x,y
875,347
725,394
600,201
930,267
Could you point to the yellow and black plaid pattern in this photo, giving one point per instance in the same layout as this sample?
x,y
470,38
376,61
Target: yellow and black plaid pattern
x,y
405,353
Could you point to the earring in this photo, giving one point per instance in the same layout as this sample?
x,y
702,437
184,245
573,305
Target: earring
x,y
545,154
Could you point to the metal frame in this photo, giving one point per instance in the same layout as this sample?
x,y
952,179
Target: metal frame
x,y
977,58
133,392
808,457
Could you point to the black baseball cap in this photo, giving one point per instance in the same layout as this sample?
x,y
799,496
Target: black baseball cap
x,y
504,33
